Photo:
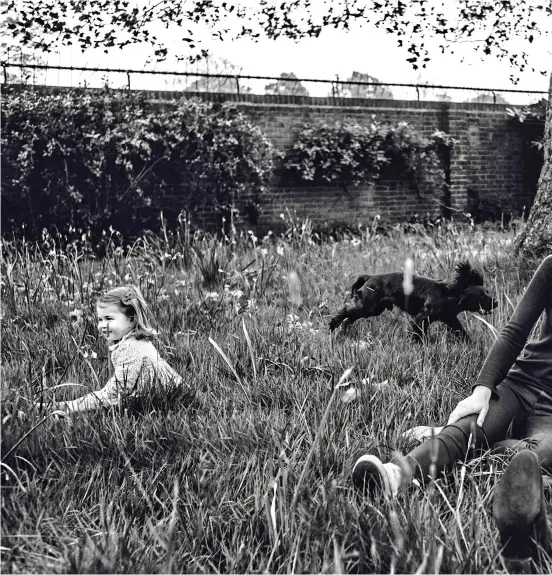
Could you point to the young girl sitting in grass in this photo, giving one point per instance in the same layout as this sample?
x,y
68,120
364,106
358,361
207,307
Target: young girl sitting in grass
x,y
514,388
123,322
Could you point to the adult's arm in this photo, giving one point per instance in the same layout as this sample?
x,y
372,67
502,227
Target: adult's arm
x,y
514,335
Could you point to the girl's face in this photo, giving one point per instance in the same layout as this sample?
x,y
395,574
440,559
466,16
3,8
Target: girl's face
x,y
113,324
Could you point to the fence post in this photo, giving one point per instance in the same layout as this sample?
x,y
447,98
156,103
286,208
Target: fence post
x,y
128,82
238,84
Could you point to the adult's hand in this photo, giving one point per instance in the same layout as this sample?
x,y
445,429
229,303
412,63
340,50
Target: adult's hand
x,y
477,403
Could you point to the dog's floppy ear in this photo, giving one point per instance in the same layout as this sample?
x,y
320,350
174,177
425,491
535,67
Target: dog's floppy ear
x,y
359,283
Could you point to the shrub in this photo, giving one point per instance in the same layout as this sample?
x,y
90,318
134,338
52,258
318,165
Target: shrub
x,y
97,159
348,154
530,121
343,154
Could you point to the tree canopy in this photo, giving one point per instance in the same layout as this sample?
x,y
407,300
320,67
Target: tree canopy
x,y
493,27
287,85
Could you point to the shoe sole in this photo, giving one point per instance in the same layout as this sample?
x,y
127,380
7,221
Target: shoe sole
x,y
517,502
517,499
370,475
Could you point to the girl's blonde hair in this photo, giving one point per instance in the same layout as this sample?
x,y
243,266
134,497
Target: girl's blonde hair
x,y
133,305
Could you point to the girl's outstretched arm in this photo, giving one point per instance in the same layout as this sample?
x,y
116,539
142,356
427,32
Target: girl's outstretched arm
x,y
104,397
129,376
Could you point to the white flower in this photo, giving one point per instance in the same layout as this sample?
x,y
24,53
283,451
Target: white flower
x,y
381,384
76,316
350,395
280,250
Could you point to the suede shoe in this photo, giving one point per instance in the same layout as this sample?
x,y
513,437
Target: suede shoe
x,y
520,513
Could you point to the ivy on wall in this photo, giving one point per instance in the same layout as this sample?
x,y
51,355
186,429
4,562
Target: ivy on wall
x,y
100,159
347,154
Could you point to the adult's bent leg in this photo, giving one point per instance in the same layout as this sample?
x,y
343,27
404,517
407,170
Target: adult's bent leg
x,y
440,453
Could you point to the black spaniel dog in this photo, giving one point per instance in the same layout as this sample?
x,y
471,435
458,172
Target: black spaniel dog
x,y
431,300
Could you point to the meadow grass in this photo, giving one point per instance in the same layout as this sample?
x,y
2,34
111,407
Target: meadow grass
x,y
251,475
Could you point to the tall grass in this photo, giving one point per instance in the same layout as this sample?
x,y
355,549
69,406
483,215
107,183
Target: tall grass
x,y
253,474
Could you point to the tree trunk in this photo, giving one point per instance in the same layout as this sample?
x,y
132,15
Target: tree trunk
x,y
536,238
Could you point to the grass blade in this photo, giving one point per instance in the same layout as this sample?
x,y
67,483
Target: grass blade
x,y
250,346
226,360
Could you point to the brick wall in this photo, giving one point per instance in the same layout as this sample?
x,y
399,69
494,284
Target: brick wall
x,y
486,164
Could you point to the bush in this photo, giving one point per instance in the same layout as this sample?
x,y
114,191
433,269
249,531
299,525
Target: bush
x,y
98,159
343,154
349,155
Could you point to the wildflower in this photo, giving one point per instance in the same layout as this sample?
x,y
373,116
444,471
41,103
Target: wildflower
x,y
381,384
355,242
92,354
76,316
350,395
280,250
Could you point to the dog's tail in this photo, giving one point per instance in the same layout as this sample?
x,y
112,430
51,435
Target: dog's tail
x,y
359,283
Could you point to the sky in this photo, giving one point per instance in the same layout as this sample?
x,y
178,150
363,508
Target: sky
x,y
335,53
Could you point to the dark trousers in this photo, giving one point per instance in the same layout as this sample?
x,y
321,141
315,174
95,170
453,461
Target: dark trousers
x,y
524,408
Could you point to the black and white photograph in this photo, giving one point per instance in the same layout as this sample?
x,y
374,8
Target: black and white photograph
x,y
276,286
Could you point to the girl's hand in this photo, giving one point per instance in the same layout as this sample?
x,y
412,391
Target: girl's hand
x,y
477,402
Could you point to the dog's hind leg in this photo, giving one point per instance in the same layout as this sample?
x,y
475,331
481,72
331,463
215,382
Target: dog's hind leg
x,y
366,303
453,325
420,327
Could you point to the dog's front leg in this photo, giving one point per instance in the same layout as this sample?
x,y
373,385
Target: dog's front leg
x,y
347,316
453,324
338,318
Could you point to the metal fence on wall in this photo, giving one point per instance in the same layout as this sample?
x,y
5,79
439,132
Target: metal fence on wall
x,y
160,80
